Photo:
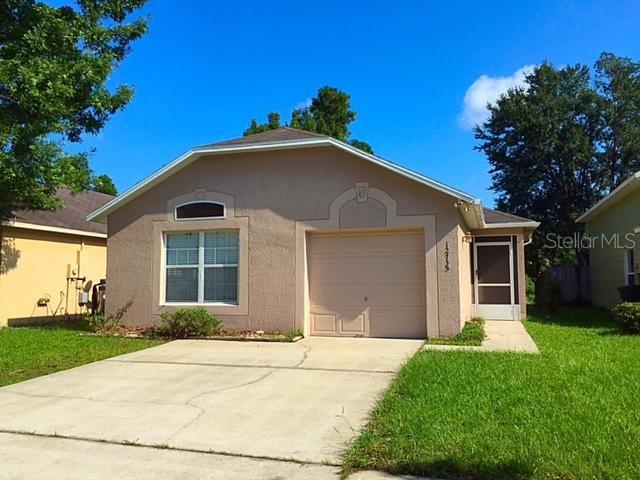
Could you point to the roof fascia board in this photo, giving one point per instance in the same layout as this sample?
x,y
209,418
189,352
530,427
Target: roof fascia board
x,y
48,228
513,225
611,199
190,156
407,173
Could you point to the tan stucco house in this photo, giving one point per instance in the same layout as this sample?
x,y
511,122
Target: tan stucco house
x,y
289,230
44,257
613,224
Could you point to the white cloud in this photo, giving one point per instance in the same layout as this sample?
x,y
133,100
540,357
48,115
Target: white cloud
x,y
303,104
485,90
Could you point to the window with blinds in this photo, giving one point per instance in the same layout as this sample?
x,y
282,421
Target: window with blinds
x,y
202,267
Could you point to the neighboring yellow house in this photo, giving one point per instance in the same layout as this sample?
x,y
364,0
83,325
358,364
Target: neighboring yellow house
x,y
47,259
614,225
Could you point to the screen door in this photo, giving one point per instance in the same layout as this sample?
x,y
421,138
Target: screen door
x,y
494,282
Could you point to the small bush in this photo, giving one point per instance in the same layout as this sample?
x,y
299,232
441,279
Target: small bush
x,y
188,322
551,296
109,324
627,315
478,320
531,290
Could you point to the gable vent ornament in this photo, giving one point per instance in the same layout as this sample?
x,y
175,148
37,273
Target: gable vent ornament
x,y
362,191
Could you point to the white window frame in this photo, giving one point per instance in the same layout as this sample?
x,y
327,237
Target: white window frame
x,y
222,217
201,268
629,252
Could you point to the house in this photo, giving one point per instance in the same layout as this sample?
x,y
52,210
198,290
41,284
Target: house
x,y
287,230
613,225
45,255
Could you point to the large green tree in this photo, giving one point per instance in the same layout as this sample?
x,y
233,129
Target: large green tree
x,y
328,114
54,66
617,81
560,143
103,184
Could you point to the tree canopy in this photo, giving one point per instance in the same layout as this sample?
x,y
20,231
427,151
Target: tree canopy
x,y
328,114
54,65
560,143
104,184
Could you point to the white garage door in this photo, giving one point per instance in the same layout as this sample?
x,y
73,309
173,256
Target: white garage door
x,y
367,284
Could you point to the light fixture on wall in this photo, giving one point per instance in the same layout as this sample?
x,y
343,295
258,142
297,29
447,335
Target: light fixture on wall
x,y
468,237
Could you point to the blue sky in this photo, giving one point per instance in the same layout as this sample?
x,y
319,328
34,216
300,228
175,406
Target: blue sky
x,y
206,68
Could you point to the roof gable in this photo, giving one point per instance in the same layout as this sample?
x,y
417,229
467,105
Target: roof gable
x,y
623,190
270,140
291,138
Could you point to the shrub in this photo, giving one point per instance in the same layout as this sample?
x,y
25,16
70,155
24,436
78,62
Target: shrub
x,y
628,316
188,322
531,290
109,324
478,320
551,295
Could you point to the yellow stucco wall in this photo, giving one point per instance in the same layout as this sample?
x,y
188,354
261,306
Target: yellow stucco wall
x,y
34,265
607,262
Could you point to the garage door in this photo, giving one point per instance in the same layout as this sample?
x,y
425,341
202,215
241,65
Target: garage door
x,y
367,284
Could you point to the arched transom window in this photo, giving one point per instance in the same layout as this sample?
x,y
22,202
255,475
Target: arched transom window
x,y
200,210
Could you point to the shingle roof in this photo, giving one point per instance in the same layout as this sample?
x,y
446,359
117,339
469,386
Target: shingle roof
x,y
73,216
494,216
278,135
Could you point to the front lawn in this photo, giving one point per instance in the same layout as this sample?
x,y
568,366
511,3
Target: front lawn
x,y
572,412
31,352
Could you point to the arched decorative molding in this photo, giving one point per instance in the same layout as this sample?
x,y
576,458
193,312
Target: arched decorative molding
x,y
426,223
373,192
369,214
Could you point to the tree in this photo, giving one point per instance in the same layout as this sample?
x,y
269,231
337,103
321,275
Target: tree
x,y
618,83
54,65
364,146
559,144
328,114
104,184
540,142
273,122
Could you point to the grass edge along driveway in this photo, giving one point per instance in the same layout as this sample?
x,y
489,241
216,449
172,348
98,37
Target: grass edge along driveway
x,y
572,412
30,352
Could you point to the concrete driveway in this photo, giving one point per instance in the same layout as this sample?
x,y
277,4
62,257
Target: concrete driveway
x,y
219,409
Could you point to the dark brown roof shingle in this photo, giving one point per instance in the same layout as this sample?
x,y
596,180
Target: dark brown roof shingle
x,y
73,216
279,135
494,216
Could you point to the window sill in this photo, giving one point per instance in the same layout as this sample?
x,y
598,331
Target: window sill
x,y
196,304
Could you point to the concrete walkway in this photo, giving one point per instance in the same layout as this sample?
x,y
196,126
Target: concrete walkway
x,y
501,336
199,409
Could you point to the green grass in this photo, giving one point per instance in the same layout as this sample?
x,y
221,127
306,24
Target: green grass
x,y
472,334
572,412
31,352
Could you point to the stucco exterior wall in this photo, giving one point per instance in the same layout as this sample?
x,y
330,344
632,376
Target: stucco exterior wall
x,y
607,262
34,265
273,192
465,268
